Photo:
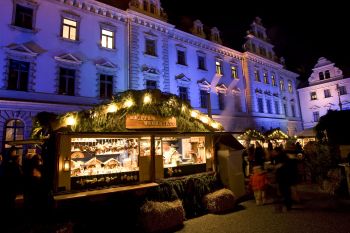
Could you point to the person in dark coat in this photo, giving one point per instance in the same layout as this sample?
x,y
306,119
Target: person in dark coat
x,y
10,181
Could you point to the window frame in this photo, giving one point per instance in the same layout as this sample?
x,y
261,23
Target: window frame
x,y
290,86
313,95
234,72
153,87
108,84
327,93
26,4
14,129
70,27
184,95
260,104
316,116
221,101
181,57
67,78
153,51
19,76
219,67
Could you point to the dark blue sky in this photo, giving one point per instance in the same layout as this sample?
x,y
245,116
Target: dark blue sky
x,y
301,33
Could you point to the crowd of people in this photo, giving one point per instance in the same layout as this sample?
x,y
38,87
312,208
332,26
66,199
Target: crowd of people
x,y
23,176
273,173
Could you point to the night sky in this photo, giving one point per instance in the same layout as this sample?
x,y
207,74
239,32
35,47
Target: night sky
x,y
300,30
301,34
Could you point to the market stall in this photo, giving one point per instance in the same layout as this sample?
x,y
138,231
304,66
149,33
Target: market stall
x,y
139,137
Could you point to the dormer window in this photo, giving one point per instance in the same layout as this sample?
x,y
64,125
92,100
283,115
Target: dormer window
x,y
321,76
290,87
145,5
199,29
327,74
152,8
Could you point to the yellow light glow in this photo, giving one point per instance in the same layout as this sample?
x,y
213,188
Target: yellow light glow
x,y
194,114
70,120
66,165
215,125
112,108
128,103
183,108
147,99
204,119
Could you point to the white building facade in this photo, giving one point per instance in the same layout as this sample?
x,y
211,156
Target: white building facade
x,y
86,51
327,90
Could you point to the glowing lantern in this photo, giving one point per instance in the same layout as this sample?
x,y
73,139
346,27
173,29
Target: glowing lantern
x,y
128,103
147,99
70,120
112,108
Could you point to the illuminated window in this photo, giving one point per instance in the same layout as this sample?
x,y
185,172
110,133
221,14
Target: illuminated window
x,y
313,95
327,74
234,72
183,93
69,29
106,86
107,39
18,75
181,57
316,116
150,47
281,85
273,80
151,84
66,82
260,105
218,67
24,17
221,98
204,98
321,75
290,87
14,130
201,62
327,93
257,76
266,79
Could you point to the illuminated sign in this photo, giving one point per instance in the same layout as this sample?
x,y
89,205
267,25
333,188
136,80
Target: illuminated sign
x,y
138,121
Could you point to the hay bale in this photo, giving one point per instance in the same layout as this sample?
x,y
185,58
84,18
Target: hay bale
x,y
219,201
160,216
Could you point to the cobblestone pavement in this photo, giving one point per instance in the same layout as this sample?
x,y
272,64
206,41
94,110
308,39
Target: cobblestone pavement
x,y
318,213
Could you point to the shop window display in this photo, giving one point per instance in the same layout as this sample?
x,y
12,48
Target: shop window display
x,y
94,156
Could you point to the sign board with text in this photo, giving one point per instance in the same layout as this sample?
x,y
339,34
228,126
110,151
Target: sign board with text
x,y
139,121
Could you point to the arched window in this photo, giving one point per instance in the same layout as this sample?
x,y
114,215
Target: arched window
x,y
14,130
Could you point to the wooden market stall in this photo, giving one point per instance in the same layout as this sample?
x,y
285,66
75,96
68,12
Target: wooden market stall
x,y
138,137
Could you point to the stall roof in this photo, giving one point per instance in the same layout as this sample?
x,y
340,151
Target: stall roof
x,y
227,139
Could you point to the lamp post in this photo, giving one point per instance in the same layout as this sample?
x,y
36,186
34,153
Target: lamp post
x,y
339,100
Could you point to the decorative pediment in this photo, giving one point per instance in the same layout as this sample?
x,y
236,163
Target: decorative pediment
x,y
329,105
203,84
236,90
221,88
103,63
68,58
149,70
182,77
314,107
27,49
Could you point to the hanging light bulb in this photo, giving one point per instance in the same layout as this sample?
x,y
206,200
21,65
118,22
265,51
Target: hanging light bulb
x,y
128,103
70,120
147,99
112,108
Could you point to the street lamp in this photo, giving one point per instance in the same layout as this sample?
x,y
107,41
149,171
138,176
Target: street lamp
x,y
339,100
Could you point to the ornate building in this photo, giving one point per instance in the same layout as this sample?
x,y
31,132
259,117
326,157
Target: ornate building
x,y
327,90
86,51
